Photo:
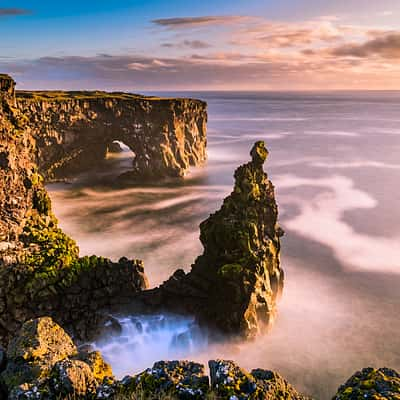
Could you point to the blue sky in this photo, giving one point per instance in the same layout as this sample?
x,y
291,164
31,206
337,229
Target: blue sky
x,y
243,44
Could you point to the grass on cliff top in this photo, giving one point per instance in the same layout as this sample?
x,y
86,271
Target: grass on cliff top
x,y
82,95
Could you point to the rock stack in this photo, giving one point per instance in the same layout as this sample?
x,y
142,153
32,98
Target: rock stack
x,y
234,285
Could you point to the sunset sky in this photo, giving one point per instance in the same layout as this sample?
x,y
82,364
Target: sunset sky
x,y
201,45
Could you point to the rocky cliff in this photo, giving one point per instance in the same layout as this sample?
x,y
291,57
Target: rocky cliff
x,y
234,285
40,269
74,130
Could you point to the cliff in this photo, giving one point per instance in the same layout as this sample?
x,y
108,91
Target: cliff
x,y
73,131
40,269
232,287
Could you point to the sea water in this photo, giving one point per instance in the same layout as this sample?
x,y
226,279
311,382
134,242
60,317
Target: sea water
x,y
334,160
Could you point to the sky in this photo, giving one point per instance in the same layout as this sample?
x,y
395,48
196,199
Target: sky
x,y
201,45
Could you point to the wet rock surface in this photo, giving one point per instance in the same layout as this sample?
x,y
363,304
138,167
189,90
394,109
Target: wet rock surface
x,y
234,285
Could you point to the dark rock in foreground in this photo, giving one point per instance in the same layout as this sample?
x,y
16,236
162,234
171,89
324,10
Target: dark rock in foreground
x,y
371,384
45,364
234,285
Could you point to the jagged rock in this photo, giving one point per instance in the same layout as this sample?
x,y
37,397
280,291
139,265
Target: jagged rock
x,y
371,384
73,377
43,363
100,369
40,269
180,379
32,354
234,285
73,131
229,381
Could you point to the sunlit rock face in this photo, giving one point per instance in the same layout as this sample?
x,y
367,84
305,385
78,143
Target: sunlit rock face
x,y
234,285
41,272
73,131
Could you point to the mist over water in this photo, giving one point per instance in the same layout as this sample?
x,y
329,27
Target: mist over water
x,y
335,165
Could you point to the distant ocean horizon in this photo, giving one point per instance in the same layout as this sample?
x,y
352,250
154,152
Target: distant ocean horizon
x,y
334,161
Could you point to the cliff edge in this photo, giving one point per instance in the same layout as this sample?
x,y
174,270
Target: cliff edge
x,y
74,131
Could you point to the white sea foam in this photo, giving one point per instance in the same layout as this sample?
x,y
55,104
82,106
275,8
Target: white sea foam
x,y
145,339
321,219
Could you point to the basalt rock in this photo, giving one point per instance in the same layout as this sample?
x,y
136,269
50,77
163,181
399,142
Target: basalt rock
x,y
59,372
44,363
234,285
74,130
229,381
371,384
40,269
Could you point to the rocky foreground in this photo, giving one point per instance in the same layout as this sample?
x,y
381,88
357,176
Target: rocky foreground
x,y
42,362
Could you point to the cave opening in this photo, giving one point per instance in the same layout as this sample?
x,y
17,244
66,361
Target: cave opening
x,y
119,157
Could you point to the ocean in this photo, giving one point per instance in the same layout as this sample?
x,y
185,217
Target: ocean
x,y
334,161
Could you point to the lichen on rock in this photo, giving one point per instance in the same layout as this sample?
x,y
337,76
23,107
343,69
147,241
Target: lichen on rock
x,y
41,272
371,384
234,285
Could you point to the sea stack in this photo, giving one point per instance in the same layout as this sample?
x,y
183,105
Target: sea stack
x,y
234,285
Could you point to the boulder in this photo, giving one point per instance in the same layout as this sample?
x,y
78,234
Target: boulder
x,y
43,363
100,369
40,344
229,381
73,377
180,379
371,384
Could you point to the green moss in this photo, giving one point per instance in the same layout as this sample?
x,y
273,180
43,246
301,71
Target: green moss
x,y
230,270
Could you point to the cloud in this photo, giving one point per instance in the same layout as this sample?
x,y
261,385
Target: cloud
x,y
192,44
257,54
219,70
387,46
188,22
5,12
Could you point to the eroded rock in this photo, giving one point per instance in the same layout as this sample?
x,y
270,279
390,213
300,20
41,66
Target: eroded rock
x,y
234,285
44,363
74,130
229,381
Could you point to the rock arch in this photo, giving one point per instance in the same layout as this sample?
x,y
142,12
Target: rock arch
x,y
74,129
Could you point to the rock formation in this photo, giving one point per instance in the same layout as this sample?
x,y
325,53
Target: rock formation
x,y
43,363
40,269
233,286
73,131
371,383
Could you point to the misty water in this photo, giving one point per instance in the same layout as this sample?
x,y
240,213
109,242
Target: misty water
x,y
334,160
